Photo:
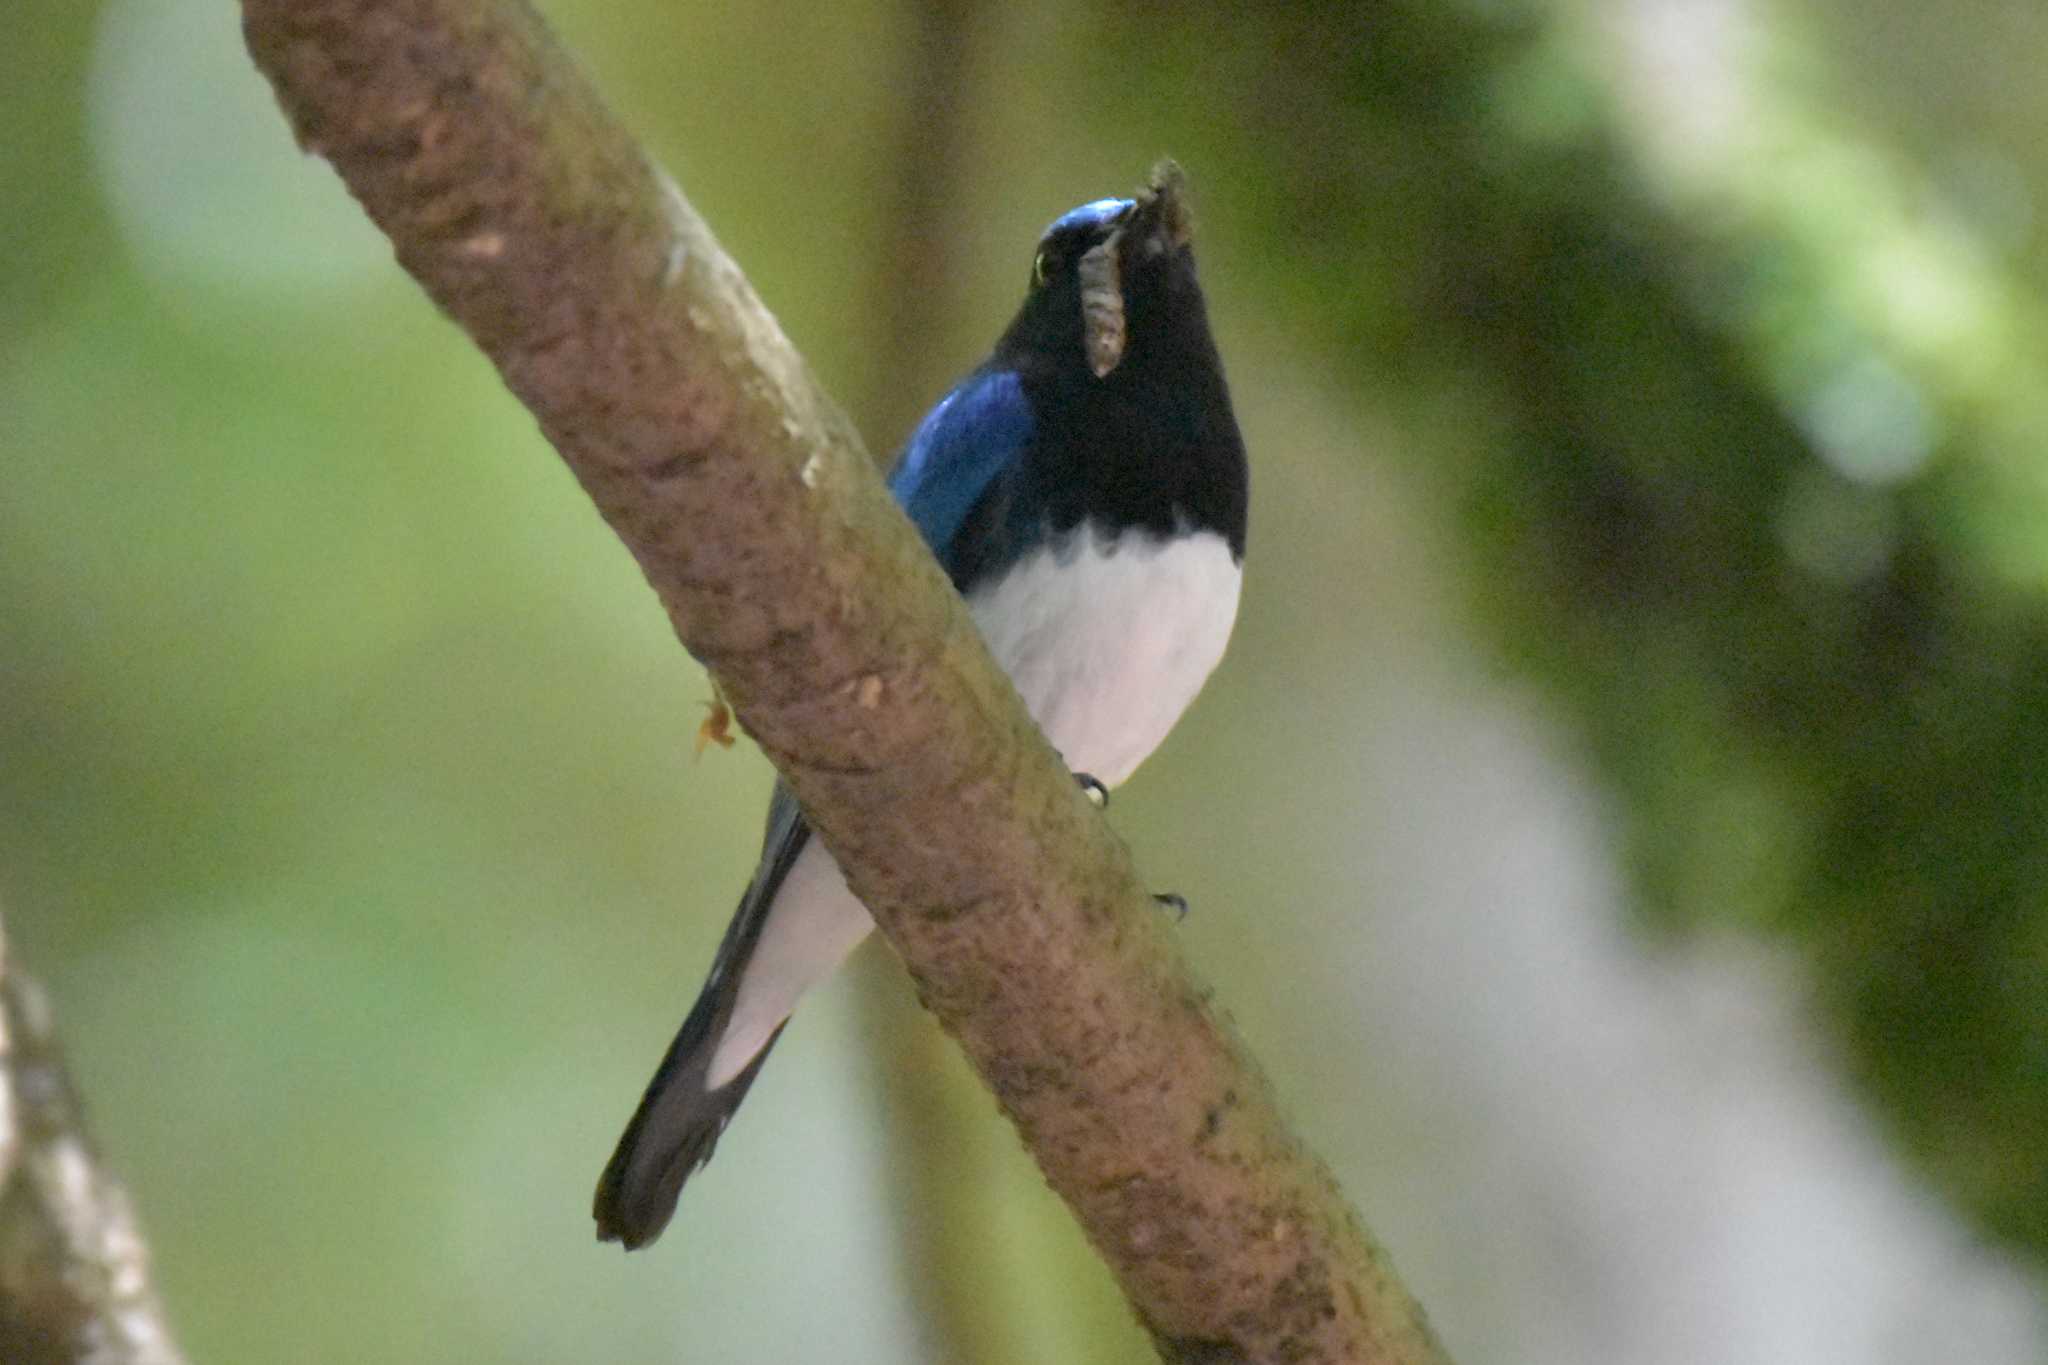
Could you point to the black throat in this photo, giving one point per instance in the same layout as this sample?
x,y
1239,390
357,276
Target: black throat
x,y
1151,447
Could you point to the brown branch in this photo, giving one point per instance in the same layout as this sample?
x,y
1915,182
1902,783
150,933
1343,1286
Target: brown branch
x,y
532,219
75,1283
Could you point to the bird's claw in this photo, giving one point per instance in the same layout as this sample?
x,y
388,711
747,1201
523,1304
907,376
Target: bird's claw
x,y
1097,793
1174,901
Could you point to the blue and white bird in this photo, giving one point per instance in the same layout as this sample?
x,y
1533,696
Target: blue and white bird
x,y
1085,488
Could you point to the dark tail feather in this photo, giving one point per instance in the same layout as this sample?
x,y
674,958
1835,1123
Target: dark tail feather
x,y
679,1120
671,1135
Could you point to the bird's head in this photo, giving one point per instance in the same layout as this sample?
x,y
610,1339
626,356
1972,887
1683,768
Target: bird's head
x,y
1107,279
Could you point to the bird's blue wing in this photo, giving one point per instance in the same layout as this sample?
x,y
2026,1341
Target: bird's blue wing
x,y
957,451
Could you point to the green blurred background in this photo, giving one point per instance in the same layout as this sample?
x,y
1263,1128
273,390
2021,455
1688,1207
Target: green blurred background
x,y
1621,825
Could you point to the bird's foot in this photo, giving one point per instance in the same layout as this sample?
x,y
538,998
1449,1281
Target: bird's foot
x,y
1097,793
1173,901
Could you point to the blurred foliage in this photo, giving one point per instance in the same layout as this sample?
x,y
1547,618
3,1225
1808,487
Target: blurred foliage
x,y
1750,457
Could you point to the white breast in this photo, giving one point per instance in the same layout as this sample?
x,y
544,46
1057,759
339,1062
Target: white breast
x,y
1109,640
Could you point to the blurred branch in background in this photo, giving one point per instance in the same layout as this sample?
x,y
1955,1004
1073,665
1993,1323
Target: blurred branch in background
x,y
75,1283
944,1201
1749,433
534,221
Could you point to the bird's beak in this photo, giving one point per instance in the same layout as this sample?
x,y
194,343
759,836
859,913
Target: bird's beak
x,y
1159,219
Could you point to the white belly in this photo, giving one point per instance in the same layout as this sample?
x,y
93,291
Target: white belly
x,y
1107,644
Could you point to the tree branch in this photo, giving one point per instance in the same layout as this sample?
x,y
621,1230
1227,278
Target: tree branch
x,y
532,219
75,1284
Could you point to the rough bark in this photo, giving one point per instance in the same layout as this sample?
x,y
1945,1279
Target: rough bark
x,y
75,1286
533,220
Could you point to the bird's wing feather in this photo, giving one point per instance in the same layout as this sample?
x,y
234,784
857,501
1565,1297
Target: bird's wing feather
x,y
955,453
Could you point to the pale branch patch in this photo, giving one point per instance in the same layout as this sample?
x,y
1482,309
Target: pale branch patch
x,y
75,1283
531,217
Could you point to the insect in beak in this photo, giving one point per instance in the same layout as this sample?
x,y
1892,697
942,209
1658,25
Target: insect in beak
x,y
1160,214
1102,304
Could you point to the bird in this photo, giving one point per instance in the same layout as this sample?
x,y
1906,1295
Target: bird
x,y
1085,488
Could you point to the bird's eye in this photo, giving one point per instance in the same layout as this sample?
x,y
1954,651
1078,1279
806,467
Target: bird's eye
x,y
1041,266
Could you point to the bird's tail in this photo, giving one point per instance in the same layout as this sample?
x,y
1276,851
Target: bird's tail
x,y
682,1113
675,1127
